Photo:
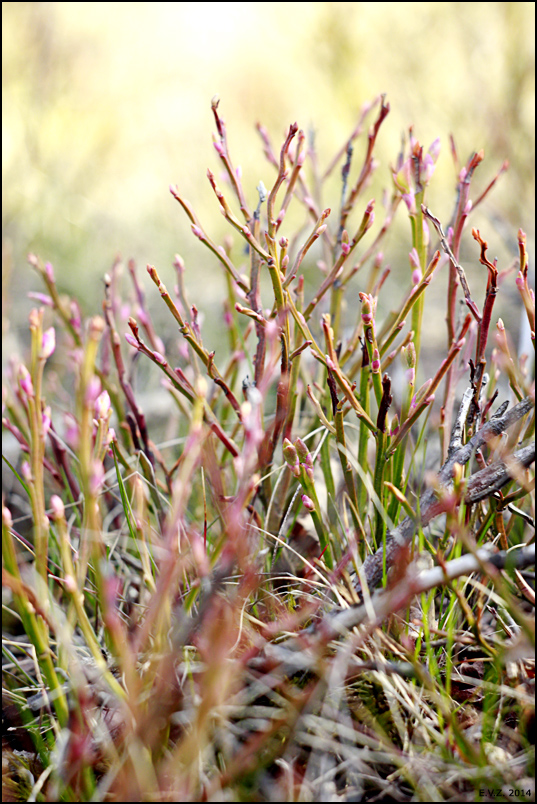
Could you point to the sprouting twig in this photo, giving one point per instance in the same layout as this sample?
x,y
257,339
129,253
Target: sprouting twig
x,y
460,270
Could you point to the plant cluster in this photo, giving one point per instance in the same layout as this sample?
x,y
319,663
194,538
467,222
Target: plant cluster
x,y
277,603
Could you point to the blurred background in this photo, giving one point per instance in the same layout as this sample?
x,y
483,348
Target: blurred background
x,y
106,104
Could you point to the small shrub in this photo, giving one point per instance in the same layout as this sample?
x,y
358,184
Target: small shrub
x,y
271,598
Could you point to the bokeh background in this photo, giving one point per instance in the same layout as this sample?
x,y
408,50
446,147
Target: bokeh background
x,y
106,104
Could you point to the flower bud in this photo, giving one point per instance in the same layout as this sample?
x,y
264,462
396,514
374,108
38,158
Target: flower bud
x,y
102,405
42,298
289,453
131,340
302,450
46,421
58,508
368,308
25,381
160,359
48,343
308,503
93,389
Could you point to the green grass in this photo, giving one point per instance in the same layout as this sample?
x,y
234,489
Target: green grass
x,y
277,589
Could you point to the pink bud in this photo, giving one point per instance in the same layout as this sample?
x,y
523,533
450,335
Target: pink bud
x,y
160,359
93,389
26,471
76,315
417,276
368,306
46,421
6,517
301,448
410,353
283,242
48,343
370,214
131,340
25,381
49,270
375,363
308,503
111,435
42,298
427,169
345,248
434,149
410,202
320,230
97,477
102,405
197,231
218,148
426,235
414,259
58,508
